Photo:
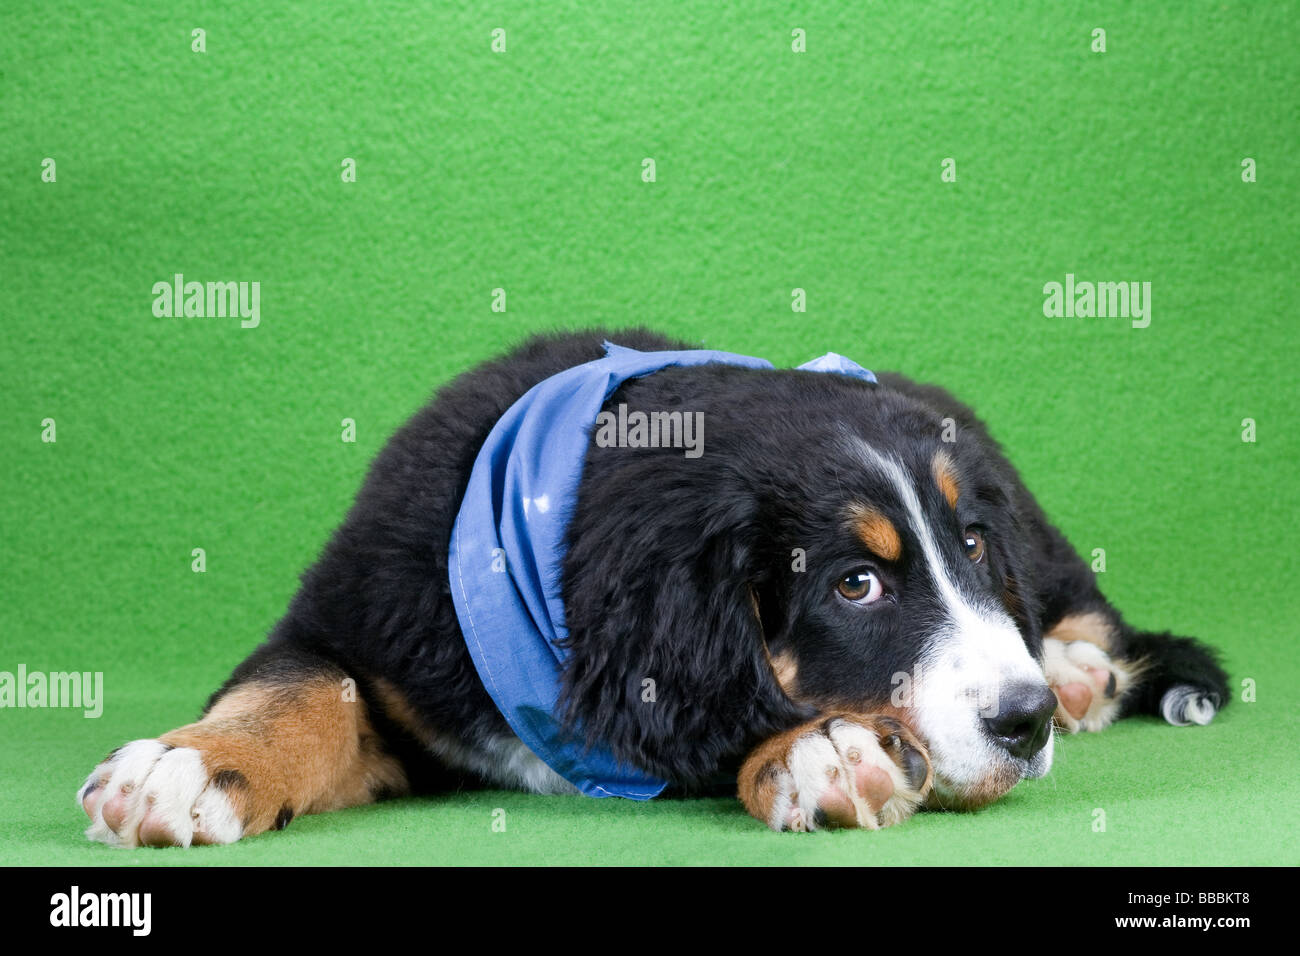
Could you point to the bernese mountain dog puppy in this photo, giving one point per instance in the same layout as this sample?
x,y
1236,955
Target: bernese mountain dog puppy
x,y
846,605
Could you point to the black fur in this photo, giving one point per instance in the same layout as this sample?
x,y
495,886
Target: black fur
x,y
230,780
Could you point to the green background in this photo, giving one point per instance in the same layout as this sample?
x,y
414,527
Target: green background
x,y
522,170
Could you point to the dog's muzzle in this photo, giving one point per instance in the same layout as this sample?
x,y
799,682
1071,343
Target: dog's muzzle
x,y
1023,723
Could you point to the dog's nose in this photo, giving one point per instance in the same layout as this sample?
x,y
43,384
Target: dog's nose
x,y
1024,719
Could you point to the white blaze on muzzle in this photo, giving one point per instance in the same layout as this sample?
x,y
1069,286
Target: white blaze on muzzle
x,y
973,655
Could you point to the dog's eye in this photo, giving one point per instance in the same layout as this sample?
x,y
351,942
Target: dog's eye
x,y
974,545
864,587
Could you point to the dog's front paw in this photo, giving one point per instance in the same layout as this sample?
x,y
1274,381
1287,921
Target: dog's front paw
x,y
1087,682
148,793
847,770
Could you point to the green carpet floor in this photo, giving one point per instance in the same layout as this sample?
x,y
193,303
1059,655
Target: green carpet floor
x,y
522,170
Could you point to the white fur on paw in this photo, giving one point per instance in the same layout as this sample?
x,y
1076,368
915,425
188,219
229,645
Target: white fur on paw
x,y
1184,705
843,777
160,795
1081,662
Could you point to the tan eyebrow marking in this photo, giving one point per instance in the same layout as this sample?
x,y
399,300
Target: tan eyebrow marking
x,y
877,532
945,476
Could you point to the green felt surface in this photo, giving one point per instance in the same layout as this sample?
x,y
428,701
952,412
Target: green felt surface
x,y
522,170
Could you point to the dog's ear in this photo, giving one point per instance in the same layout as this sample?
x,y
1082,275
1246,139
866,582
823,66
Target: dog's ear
x,y
668,668
1014,567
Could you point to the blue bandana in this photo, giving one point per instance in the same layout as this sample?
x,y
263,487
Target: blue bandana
x,y
508,543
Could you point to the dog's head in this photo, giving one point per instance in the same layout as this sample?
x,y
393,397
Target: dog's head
x,y
837,547
913,601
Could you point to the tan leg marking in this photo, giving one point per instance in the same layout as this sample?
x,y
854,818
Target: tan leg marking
x,y
290,750
265,753
1091,626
